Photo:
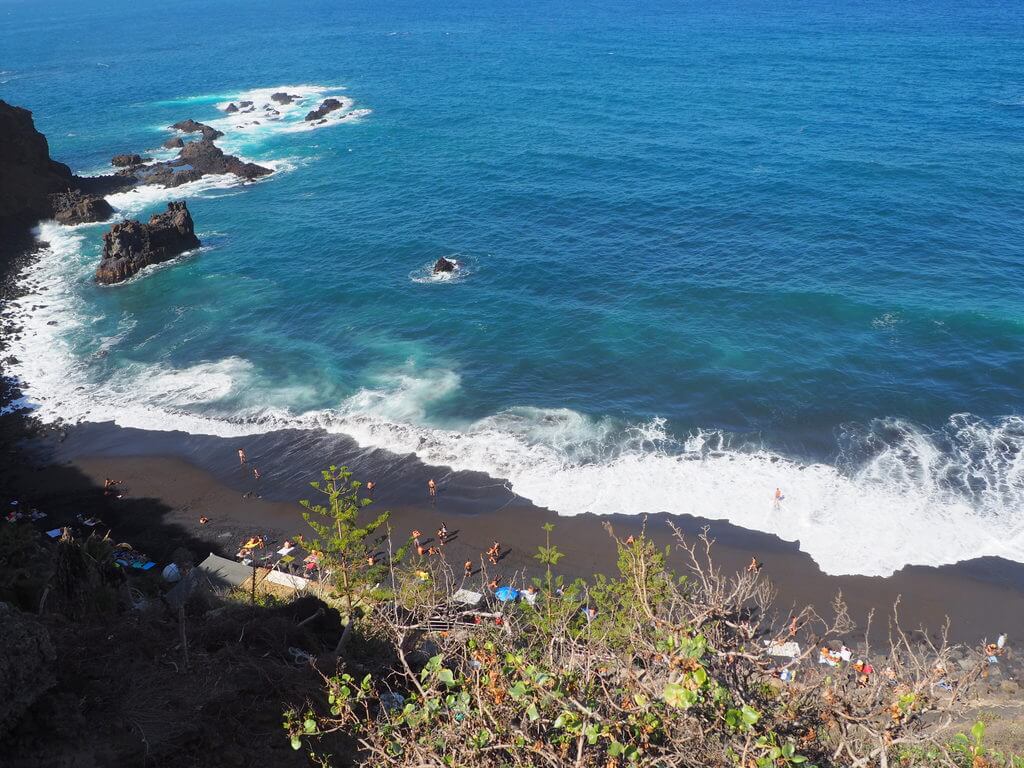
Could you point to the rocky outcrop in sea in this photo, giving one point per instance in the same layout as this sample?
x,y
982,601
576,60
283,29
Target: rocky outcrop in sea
x,y
326,107
191,126
130,245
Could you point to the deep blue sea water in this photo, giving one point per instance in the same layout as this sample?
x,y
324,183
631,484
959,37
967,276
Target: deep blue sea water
x,y
706,250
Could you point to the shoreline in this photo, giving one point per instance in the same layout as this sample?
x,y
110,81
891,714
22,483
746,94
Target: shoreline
x,y
982,598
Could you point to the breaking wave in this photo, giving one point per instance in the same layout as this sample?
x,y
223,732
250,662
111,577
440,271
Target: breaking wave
x,y
897,494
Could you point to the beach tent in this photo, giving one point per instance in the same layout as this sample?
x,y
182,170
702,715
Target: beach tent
x,y
216,573
506,594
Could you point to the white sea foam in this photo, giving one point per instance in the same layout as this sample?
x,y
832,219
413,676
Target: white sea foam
x,y
901,495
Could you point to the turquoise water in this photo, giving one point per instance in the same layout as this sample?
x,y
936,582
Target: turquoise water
x,y
706,252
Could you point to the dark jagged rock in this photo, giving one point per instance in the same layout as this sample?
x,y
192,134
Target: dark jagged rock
x,y
283,98
27,174
75,208
245,103
191,126
126,161
231,108
444,265
326,106
175,143
131,245
206,157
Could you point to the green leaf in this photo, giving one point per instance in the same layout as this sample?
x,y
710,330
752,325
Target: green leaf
x,y
446,677
978,731
296,743
798,759
517,691
678,696
700,676
532,713
309,725
750,716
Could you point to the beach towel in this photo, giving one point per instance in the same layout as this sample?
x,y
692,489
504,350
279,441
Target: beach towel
x,y
54,534
467,597
287,580
789,650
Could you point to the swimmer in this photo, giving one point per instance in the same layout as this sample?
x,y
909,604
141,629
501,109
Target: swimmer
x,y
432,488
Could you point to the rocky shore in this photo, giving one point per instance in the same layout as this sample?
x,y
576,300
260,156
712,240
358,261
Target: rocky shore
x,y
34,187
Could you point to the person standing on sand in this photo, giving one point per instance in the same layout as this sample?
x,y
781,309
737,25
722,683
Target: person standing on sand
x,y
442,534
467,568
493,553
241,456
432,488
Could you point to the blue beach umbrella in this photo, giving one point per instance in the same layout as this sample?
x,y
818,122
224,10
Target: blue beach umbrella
x,y
506,594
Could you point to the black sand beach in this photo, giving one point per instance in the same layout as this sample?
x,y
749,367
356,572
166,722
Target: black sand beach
x,y
186,477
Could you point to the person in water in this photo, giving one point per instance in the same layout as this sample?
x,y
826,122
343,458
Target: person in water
x,y
241,456
432,487
467,568
370,485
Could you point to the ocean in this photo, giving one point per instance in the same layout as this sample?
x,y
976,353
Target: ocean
x,y
706,250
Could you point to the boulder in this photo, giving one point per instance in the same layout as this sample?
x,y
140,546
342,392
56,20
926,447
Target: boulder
x,y
126,161
326,106
191,126
245,103
26,665
175,143
231,108
75,208
131,245
444,265
283,98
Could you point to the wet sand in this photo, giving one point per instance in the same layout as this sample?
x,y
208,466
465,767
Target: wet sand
x,y
981,598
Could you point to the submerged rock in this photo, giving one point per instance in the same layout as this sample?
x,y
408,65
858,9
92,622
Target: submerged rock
x,y
75,208
191,126
444,265
131,245
326,106
175,143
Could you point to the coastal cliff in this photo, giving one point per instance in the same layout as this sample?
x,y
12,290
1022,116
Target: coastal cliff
x,y
33,186
130,245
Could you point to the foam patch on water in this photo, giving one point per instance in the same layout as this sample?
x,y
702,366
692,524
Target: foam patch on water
x,y
899,494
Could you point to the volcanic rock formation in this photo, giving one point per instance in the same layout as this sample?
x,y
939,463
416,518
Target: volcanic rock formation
x,y
131,245
326,106
191,126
